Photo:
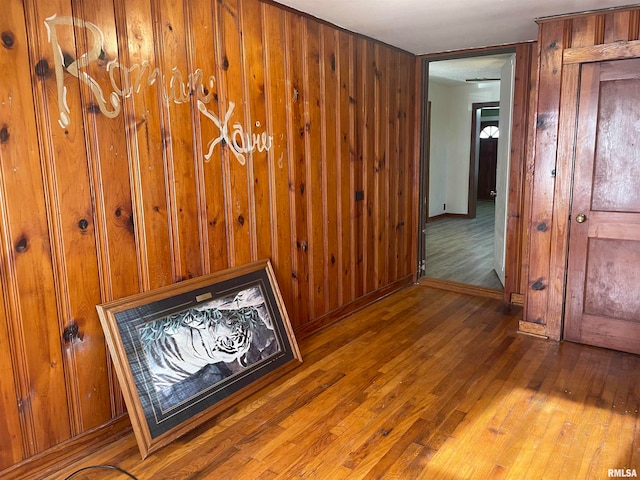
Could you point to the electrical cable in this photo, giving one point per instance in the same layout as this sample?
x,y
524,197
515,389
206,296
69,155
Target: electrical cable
x,y
104,467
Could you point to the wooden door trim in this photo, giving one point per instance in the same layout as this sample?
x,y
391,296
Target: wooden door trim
x,y
522,149
586,112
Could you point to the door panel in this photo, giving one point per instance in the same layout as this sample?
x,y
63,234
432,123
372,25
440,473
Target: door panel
x,y
617,170
487,161
603,277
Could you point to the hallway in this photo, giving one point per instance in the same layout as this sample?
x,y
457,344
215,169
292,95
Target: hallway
x,y
461,249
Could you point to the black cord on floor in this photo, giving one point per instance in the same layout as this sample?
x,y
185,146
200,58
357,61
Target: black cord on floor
x,y
103,467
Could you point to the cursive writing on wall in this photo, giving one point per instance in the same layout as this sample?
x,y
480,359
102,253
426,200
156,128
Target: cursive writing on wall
x,y
175,89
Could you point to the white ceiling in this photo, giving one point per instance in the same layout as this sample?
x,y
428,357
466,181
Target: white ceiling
x,y
430,26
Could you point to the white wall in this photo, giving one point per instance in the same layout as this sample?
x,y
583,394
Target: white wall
x,y
450,142
438,152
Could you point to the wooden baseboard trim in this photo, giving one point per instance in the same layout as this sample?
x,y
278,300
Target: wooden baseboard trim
x,y
461,288
517,299
352,307
62,455
532,329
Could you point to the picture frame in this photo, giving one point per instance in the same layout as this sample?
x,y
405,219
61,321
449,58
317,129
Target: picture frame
x,y
185,352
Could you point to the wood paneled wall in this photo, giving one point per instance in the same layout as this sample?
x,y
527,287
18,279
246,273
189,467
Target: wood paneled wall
x,y
143,142
564,43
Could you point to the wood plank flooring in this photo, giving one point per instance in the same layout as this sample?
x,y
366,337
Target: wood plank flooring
x,y
461,249
424,384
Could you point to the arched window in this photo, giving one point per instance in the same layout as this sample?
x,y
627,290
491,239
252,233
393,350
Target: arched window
x,y
490,132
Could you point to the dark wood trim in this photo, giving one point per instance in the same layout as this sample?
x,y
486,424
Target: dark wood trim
x,y
420,181
474,157
522,122
471,52
601,53
586,13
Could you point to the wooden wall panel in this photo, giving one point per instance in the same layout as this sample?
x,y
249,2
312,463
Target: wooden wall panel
x,y
564,43
159,141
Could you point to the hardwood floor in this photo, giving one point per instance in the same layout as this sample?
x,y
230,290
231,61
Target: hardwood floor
x,y
424,384
461,249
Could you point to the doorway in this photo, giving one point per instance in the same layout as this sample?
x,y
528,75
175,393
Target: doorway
x,y
455,243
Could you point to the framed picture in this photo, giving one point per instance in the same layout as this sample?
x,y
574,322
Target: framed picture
x,y
185,352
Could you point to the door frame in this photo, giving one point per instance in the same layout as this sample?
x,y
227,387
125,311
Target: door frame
x,y
474,157
516,270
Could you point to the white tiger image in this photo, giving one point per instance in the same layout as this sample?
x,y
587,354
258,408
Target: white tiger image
x,y
217,339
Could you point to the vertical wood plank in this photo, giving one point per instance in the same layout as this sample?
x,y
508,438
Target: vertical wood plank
x,y
209,156
295,55
347,258
551,41
394,161
14,444
562,198
28,274
178,139
369,104
519,137
406,91
257,161
331,163
617,27
528,170
584,31
11,439
315,160
143,109
359,166
231,95
381,169
276,79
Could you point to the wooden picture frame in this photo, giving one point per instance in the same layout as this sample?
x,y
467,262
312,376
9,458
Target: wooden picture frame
x,y
185,352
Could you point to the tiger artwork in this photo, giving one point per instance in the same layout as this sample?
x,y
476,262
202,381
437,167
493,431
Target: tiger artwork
x,y
190,350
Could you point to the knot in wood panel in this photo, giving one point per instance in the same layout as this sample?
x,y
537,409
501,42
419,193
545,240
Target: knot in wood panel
x,y
70,332
538,285
8,40
4,134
